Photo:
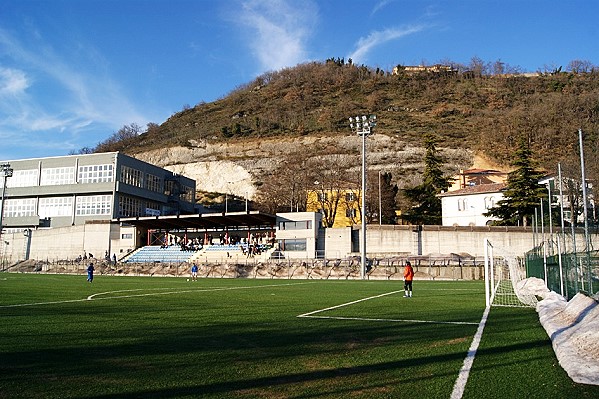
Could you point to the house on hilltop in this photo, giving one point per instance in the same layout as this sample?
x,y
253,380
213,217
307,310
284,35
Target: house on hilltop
x,y
437,68
473,193
466,206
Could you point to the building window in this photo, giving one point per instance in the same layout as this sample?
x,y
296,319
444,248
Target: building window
x,y
296,225
19,207
349,197
298,244
462,204
23,178
93,205
169,187
187,194
95,174
153,183
131,176
351,213
55,206
58,176
489,202
129,207
322,197
127,236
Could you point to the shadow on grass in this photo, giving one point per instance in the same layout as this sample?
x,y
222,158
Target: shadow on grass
x,y
164,355
279,381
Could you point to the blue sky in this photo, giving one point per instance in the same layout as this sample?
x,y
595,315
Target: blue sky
x,y
72,72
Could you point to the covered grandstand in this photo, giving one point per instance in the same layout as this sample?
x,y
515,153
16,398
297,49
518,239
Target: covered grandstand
x,y
181,238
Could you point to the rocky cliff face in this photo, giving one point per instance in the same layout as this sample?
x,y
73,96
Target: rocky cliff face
x,y
235,167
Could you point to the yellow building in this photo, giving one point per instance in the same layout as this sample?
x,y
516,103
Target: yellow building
x,y
339,207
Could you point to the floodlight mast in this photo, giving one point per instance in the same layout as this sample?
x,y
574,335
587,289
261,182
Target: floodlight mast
x,y
6,171
363,126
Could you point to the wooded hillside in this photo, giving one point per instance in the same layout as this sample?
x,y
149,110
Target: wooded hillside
x,y
484,113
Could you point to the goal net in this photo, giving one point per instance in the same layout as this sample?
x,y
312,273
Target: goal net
x,y
505,276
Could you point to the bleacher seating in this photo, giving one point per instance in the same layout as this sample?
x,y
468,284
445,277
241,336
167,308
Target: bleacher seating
x,y
154,253
227,247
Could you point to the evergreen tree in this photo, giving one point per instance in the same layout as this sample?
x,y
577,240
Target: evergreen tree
x,y
523,192
427,204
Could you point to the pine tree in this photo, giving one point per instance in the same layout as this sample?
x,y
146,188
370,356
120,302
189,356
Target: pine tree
x,y
427,204
523,192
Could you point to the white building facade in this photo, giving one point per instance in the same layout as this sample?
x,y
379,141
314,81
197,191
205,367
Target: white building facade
x,y
297,234
466,206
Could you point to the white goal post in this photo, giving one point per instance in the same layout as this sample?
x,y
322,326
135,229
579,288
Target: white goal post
x,y
505,275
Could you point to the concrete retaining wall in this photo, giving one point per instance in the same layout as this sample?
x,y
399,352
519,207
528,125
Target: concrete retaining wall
x,y
382,242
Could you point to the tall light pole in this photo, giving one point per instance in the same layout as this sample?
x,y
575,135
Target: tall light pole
x,y
363,126
380,202
6,173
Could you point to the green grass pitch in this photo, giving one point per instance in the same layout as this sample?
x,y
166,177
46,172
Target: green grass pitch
x,y
148,337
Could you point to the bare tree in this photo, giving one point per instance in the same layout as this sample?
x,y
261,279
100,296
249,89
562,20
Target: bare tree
x,y
580,66
478,66
380,200
124,134
285,189
332,181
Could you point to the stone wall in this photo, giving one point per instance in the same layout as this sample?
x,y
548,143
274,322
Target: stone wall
x,y
307,269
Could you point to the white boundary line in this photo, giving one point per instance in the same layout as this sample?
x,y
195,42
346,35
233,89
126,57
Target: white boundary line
x,y
347,304
390,320
460,383
94,298
311,314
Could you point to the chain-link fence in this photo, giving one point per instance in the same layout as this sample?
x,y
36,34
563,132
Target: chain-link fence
x,y
565,273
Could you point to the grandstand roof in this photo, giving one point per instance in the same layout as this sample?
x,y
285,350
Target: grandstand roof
x,y
202,221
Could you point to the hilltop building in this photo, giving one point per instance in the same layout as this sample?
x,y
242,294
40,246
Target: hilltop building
x,y
466,206
477,177
414,69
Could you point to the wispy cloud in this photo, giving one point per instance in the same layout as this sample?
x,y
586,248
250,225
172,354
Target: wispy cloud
x,y
379,6
281,29
49,99
377,38
13,82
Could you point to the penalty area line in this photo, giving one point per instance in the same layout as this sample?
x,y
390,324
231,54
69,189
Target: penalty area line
x,y
347,304
313,313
